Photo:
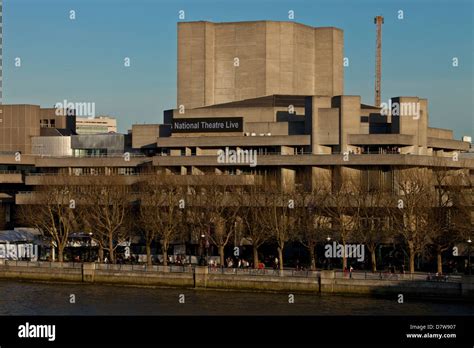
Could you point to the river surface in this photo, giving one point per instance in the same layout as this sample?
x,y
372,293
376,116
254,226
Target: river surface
x,y
34,298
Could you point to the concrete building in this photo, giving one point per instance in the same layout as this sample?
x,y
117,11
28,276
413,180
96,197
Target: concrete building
x,y
282,100
226,62
19,124
96,125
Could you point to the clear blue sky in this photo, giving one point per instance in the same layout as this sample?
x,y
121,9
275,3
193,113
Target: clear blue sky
x,y
82,60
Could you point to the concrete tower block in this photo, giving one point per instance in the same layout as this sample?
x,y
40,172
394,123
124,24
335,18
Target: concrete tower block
x,y
314,107
227,62
410,116
328,62
349,118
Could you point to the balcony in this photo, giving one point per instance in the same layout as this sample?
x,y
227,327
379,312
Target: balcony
x,y
10,177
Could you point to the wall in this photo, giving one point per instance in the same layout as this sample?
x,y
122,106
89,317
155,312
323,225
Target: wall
x,y
18,123
321,282
51,146
273,58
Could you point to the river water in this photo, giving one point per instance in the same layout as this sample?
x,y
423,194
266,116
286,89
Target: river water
x,y
33,298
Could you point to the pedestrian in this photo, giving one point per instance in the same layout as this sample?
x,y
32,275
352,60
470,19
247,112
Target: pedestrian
x,y
350,272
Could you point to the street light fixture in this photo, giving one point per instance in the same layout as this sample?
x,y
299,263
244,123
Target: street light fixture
x,y
90,246
328,238
202,260
469,242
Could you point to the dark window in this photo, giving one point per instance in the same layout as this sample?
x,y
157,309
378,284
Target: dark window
x,y
364,119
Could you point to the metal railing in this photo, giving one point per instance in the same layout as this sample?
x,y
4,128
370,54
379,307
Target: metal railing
x,y
144,268
112,155
43,264
383,275
82,174
338,274
263,272
10,171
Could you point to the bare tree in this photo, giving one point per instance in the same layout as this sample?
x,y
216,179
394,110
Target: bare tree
x,y
252,213
449,215
342,208
412,216
373,222
279,218
54,214
311,222
214,212
160,212
107,209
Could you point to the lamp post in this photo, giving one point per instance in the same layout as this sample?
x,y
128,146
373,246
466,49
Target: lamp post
x,y
328,238
90,246
469,242
201,248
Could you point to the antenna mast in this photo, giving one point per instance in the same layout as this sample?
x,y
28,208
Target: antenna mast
x,y
378,61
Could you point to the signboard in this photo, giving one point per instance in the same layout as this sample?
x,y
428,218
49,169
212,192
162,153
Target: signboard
x,y
207,125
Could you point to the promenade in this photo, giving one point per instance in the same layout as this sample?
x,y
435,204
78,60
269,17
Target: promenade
x,y
317,282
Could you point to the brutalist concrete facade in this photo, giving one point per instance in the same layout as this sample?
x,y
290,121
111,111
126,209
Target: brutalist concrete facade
x,y
285,97
225,62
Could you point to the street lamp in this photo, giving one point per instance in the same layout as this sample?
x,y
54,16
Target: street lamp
x,y
328,238
90,246
469,242
201,250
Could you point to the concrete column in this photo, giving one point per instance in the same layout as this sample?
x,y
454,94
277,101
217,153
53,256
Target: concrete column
x,y
410,116
287,179
321,178
350,176
349,119
287,150
313,121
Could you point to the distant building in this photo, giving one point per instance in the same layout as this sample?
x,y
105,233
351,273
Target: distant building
x,y
21,125
96,125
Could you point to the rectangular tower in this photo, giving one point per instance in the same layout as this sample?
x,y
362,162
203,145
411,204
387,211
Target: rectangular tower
x,y
227,62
